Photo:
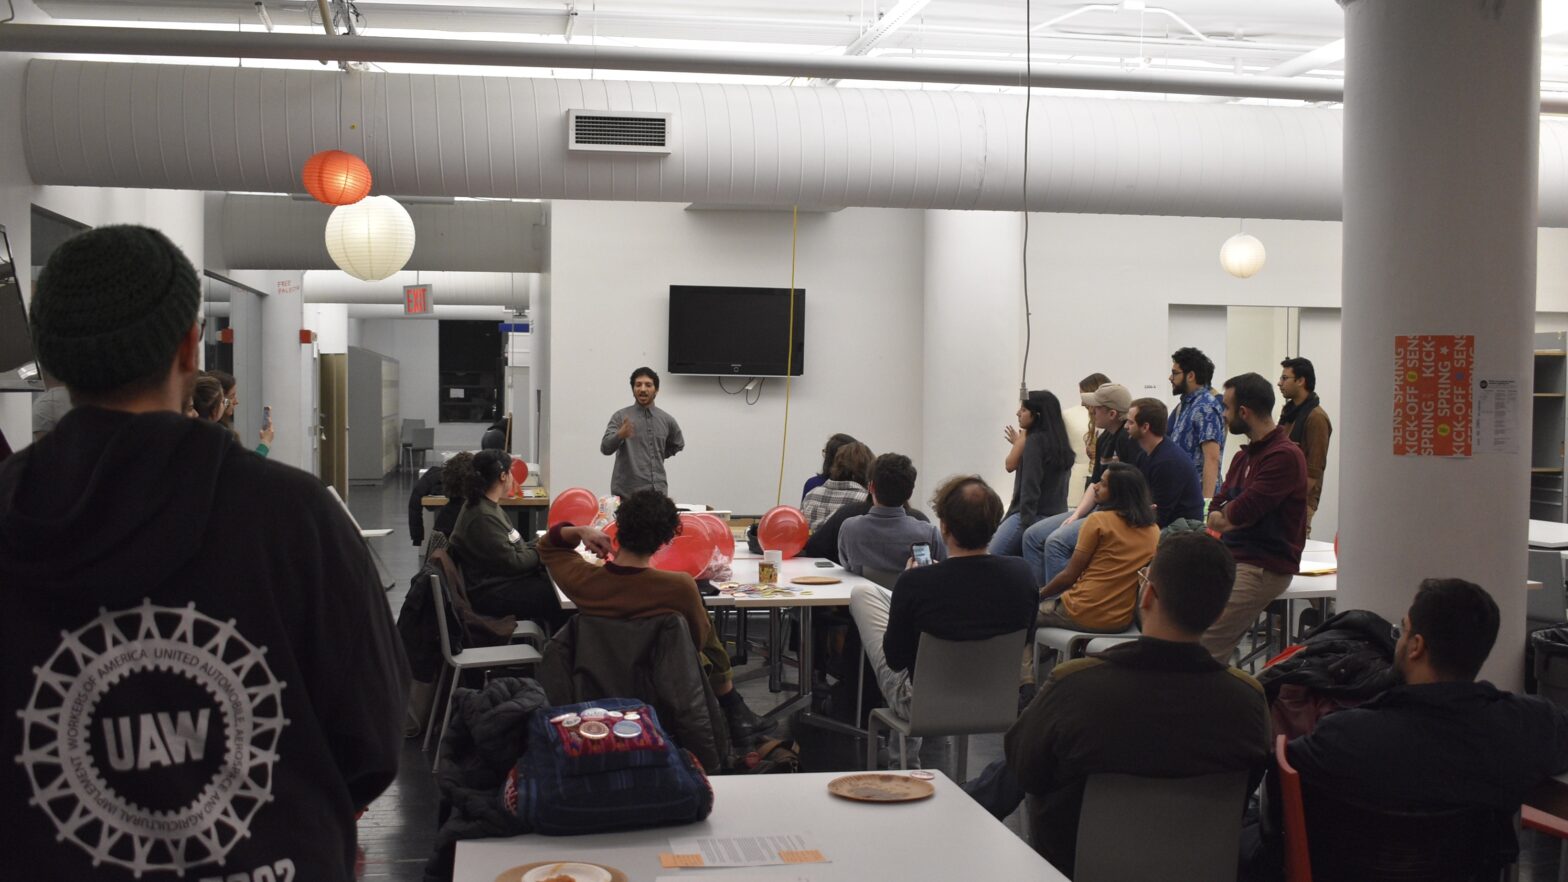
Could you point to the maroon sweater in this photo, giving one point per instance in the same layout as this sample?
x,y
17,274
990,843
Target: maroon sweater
x,y
1265,499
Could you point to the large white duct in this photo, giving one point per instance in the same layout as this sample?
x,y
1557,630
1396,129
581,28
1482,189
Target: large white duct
x,y
168,126
278,232
509,290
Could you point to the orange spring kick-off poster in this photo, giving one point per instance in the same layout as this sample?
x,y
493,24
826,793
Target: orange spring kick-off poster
x,y
1432,395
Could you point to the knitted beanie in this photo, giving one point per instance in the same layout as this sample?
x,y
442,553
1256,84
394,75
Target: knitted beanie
x,y
111,307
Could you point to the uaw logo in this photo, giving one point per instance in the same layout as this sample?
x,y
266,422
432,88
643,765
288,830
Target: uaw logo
x,y
150,737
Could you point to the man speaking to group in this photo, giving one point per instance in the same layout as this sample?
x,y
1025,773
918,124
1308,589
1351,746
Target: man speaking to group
x,y
642,437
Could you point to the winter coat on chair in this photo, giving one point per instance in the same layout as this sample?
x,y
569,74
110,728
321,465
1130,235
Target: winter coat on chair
x,y
650,659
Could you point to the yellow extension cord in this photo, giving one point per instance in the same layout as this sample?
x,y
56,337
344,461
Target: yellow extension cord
x,y
789,355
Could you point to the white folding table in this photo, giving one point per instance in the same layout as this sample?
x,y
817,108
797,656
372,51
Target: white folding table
x,y
744,569
948,836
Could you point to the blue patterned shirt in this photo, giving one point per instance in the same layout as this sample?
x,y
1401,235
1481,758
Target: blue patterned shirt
x,y
1199,417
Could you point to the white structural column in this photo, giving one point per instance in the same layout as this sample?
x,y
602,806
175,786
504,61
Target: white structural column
x,y
973,281
1441,136
283,381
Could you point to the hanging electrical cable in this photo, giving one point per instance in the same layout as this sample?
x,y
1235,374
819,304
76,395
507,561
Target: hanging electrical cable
x,y
1023,376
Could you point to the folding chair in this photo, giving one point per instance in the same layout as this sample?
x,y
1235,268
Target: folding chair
x,y
482,657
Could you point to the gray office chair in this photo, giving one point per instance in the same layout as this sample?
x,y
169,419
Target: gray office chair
x,y
1186,828
962,688
422,441
405,439
885,578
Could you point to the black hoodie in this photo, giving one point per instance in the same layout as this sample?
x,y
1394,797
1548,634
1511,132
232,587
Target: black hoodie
x,y
198,666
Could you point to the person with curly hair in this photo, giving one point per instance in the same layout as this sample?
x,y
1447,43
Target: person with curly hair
x,y
629,587
446,480
502,569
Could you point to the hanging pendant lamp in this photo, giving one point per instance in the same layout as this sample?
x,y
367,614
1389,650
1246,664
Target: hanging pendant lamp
x,y
1242,255
371,239
336,177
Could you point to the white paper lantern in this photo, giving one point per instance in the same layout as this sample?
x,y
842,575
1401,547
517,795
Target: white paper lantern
x,y
1242,255
371,239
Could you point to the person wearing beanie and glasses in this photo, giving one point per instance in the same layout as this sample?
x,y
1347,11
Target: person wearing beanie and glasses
x,y
501,568
200,670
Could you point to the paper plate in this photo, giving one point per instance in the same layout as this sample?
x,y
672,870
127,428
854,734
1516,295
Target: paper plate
x,y
814,580
880,787
561,871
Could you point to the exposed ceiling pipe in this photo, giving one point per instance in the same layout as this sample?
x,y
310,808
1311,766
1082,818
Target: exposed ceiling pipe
x,y
890,21
227,44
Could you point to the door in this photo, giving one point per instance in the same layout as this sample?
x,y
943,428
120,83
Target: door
x,y
334,422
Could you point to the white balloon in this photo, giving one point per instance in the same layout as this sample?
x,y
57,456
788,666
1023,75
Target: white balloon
x,y
1242,255
371,239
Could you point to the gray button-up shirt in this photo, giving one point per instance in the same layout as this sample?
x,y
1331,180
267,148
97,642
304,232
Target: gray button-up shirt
x,y
639,460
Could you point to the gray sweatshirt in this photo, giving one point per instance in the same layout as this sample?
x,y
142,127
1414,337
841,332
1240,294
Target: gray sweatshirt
x,y
639,460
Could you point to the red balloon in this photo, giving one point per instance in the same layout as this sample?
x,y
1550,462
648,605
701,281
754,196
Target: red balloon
x,y
719,532
519,470
689,552
613,530
783,528
576,506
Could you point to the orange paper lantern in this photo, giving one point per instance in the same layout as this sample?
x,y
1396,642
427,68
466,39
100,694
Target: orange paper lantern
x,y
336,177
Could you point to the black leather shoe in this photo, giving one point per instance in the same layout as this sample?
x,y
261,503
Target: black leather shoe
x,y
746,725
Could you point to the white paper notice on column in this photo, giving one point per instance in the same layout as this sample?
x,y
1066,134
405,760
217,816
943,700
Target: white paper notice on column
x,y
1497,415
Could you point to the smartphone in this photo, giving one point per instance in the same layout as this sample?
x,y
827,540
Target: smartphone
x,y
266,417
824,563
921,552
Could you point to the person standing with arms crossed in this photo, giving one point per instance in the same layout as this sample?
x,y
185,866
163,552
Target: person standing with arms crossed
x,y
641,437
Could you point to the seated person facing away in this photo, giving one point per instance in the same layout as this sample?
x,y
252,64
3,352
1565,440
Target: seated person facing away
x,y
881,538
503,571
823,541
846,483
972,595
1438,740
1098,590
629,588
1158,706
829,450
442,480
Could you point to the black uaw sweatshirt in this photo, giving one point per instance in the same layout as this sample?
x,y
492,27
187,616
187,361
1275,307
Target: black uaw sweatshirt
x,y
198,669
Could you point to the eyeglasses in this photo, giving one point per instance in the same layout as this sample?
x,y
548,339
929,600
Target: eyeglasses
x,y
1143,578
1178,372
1394,631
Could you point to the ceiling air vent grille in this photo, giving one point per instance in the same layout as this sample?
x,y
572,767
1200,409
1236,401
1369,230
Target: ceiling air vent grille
x,y
618,131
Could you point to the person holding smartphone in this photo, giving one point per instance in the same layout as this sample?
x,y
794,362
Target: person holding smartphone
x,y
885,537
966,593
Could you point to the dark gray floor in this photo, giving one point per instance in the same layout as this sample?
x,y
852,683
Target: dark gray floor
x,y
397,832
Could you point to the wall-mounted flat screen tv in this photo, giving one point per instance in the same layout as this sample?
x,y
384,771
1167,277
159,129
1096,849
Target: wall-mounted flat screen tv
x,y
736,332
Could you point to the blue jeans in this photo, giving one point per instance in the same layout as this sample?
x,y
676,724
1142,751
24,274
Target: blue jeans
x,y
1048,546
1008,536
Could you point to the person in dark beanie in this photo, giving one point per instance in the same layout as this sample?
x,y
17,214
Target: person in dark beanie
x,y
200,673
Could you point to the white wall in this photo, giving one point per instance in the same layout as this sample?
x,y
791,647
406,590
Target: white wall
x,y
607,313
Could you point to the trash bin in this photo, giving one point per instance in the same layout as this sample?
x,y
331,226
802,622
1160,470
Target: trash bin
x,y
1550,647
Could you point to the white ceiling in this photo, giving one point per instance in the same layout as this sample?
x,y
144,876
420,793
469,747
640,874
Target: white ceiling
x,y
1224,36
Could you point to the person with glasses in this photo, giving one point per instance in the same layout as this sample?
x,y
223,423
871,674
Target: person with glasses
x,y
1197,424
1158,706
1097,591
1307,424
1437,740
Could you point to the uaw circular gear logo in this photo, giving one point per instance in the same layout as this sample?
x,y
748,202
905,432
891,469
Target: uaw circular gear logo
x,y
150,737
